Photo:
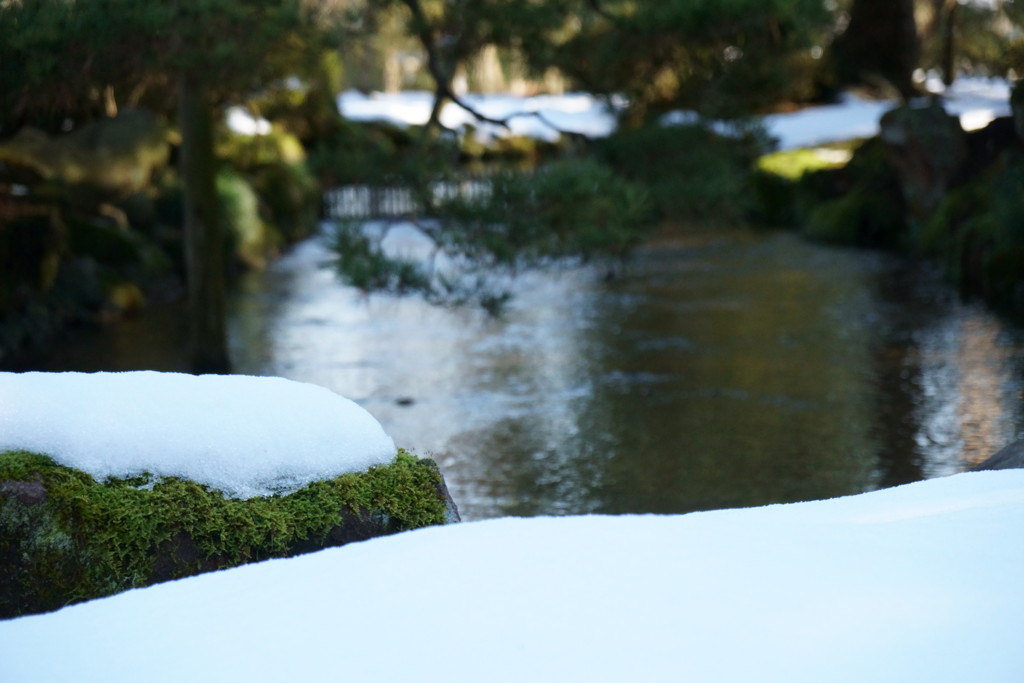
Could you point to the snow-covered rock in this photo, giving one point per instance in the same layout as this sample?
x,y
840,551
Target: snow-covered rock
x,y
115,481
245,436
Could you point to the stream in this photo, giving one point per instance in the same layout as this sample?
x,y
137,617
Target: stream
x,y
719,369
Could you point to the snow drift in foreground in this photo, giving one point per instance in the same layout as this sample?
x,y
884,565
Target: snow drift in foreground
x,y
246,436
916,583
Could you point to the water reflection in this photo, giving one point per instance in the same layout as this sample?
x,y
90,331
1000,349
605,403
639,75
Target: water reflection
x,y
964,386
720,370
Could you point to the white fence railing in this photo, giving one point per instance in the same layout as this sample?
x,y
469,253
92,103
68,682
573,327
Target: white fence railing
x,y
371,202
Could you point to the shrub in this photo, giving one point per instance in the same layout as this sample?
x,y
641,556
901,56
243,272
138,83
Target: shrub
x,y
576,207
251,239
977,233
568,209
290,198
693,173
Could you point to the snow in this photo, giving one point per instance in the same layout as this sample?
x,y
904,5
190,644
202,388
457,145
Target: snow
x,y
916,583
975,100
853,117
539,116
246,436
241,121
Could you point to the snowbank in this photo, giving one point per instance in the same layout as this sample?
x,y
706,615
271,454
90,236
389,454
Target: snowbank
x,y
975,100
246,436
917,583
540,116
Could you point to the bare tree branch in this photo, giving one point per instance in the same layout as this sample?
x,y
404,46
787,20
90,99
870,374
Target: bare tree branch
x,y
442,80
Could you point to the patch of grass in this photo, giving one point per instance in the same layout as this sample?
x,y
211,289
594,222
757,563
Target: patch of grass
x,y
794,163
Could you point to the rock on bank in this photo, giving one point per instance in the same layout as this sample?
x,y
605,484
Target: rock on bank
x,y
84,514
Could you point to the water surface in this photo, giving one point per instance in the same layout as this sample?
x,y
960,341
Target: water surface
x,y
718,370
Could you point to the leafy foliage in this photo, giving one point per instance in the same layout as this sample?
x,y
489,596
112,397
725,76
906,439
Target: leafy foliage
x,y
719,57
977,234
62,55
693,172
569,209
982,38
363,263
576,207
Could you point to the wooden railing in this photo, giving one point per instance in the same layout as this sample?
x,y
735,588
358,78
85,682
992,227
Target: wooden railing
x,y
374,202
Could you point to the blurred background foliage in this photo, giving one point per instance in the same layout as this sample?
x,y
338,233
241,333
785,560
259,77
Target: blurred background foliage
x,y
94,197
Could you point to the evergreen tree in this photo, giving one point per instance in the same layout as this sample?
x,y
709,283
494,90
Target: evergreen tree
x,y
880,45
187,59
717,57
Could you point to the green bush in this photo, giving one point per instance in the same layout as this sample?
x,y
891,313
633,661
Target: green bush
x,y
860,217
774,198
692,172
43,286
246,153
858,204
277,168
575,207
567,209
979,236
373,153
251,239
290,197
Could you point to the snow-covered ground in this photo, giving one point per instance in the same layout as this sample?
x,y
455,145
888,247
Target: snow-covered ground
x,y
976,101
916,583
245,436
919,583
540,116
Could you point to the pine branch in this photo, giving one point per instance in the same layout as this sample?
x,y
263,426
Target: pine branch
x,y
442,80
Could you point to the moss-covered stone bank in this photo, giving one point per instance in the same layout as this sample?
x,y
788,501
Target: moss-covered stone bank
x,y
65,538
925,187
91,221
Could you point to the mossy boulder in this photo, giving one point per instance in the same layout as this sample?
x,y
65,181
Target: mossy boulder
x,y
977,233
65,537
926,147
112,157
859,204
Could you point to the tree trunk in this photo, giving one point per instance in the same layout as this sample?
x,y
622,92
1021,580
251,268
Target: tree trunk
x,y
204,237
948,65
880,43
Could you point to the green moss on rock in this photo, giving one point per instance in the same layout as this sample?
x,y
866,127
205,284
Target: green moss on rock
x,y
860,217
977,233
114,157
65,537
859,204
